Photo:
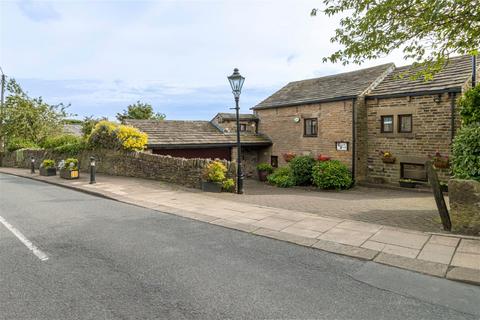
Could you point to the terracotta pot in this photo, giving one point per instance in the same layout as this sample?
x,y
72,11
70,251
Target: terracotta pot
x,y
440,163
389,160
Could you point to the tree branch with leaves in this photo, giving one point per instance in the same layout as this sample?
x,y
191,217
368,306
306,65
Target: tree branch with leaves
x,y
427,31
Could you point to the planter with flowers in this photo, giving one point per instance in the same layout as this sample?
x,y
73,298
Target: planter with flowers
x,y
288,156
387,157
439,161
47,168
322,157
214,178
264,169
69,169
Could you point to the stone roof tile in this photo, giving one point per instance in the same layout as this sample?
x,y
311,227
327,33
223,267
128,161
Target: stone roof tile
x,y
176,133
330,88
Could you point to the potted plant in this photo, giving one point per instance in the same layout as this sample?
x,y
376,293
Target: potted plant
x,y
69,169
264,169
47,168
288,156
439,161
387,157
407,183
214,176
444,186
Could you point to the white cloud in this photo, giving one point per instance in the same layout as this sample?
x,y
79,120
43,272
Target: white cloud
x,y
171,50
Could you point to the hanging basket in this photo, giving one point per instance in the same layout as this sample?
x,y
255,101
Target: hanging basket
x,y
389,160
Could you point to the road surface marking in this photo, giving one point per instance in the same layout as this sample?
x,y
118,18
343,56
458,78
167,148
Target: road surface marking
x,y
39,253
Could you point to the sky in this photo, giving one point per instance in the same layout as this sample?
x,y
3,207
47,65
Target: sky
x,y
100,56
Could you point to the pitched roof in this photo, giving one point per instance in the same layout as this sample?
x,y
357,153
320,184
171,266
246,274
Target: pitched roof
x,y
455,74
175,134
330,88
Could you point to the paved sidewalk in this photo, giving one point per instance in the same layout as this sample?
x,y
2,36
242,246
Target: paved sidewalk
x,y
441,255
397,208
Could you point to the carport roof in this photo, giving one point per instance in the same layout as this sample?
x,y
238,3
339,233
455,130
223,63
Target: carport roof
x,y
177,133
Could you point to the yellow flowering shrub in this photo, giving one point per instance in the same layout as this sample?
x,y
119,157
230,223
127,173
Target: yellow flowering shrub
x,y
131,138
109,135
215,172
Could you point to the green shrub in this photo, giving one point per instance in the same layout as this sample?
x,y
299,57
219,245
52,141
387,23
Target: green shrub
x,y
331,174
58,141
48,163
466,153
71,167
302,169
282,177
470,106
19,143
103,136
109,135
72,148
228,185
267,167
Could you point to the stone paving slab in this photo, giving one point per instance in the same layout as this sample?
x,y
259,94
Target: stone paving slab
x,y
432,254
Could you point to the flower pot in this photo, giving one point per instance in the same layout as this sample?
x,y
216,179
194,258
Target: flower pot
x,y
441,163
51,171
209,186
389,160
262,175
407,184
69,174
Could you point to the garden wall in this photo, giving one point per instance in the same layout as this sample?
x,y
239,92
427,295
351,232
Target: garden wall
x,y
464,198
187,172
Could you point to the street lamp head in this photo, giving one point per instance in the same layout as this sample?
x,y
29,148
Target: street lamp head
x,y
236,82
92,161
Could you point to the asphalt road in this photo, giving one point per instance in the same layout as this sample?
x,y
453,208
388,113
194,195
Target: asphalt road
x,y
109,260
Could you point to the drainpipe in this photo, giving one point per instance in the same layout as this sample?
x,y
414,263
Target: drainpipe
x,y
354,140
453,97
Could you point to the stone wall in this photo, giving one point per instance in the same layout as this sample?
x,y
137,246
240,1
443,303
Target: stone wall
x,y
334,124
432,132
464,198
187,172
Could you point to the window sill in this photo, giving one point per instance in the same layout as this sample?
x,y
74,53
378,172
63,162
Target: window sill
x,y
310,136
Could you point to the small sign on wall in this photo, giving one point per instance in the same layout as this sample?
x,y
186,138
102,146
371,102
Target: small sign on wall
x,y
341,145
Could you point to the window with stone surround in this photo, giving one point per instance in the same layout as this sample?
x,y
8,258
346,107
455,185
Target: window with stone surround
x,y
405,123
310,127
243,127
386,124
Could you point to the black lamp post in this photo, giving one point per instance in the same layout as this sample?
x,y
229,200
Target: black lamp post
x,y
32,165
236,82
92,170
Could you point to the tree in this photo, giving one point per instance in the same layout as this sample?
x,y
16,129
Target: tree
x,y
30,119
428,31
140,110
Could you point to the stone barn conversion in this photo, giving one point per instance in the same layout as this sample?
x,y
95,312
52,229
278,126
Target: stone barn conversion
x,y
354,117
